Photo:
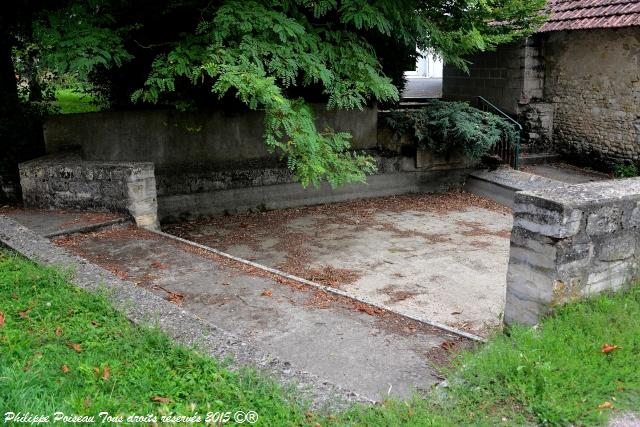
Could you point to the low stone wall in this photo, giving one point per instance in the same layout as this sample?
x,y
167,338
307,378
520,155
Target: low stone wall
x,y
570,242
71,183
205,192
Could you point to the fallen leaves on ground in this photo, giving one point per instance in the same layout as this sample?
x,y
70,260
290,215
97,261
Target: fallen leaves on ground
x,y
175,298
605,405
1,318
75,346
58,331
608,348
158,265
365,308
65,369
106,373
447,345
161,399
267,293
24,314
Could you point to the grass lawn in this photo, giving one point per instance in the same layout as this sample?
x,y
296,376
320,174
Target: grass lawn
x,y
70,101
62,349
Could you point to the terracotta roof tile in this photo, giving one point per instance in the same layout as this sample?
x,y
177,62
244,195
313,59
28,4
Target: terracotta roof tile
x,y
587,14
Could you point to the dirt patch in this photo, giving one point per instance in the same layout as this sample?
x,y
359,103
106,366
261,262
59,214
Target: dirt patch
x,y
396,295
477,229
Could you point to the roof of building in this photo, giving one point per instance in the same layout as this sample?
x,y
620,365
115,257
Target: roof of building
x,y
589,14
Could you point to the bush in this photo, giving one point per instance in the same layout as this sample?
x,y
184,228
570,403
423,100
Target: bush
x,y
626,170
446,127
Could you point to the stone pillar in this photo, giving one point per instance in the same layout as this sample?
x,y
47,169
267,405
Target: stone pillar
x,y
570,242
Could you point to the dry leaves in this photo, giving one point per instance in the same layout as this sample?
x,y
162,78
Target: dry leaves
x,y
1,318
65,369
75,346
605,405
371,311
24,314
161,399
106,373
58,331
158,265
608,348
175,297
267,293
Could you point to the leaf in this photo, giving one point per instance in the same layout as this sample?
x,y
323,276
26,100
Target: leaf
x,y
58,331
106,373
608,348
605,405
74,346
1,318
175,298
160,399
267,293
24,314
65,369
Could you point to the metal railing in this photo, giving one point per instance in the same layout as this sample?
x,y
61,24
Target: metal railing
x,y
509,153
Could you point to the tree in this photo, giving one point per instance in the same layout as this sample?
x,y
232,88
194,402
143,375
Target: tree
x,y
272,55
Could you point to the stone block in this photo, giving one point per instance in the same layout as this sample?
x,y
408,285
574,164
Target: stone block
x,y
605,220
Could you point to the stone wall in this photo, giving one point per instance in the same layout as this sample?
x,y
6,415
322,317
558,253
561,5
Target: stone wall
x,y
509,77
512,78
171,139
570,242
71,183
593,80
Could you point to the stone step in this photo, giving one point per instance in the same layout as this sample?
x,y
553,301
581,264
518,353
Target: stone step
x,y
539,158
500,185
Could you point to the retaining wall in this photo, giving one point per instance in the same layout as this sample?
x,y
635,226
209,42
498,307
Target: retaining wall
x,y
570,242
71,183
171,139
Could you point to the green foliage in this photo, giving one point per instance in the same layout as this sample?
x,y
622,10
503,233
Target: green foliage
x,y
626,170
69,101
263,52
446,127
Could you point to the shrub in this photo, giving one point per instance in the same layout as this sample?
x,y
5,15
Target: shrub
x,y
445,127
626,170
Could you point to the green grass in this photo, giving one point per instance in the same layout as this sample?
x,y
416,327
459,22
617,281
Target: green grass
x,y
69,101
553,375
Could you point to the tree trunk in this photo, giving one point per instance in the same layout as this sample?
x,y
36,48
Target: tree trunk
x,y
8,87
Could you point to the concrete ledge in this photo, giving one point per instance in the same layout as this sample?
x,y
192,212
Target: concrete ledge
x,y
143,307
280,196
501,185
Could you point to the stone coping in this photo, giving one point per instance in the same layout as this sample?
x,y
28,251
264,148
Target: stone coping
x,y
578,195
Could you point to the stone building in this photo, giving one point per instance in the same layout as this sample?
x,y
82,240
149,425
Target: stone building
x,y
574,85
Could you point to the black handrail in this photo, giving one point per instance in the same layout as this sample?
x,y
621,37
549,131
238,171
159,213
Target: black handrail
x,y
502,149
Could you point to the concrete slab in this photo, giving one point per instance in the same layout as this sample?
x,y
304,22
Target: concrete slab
x,y
566,173
49,222
366,351
442,257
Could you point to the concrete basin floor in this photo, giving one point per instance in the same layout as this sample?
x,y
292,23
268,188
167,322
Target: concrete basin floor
x,y
441,256
370,352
